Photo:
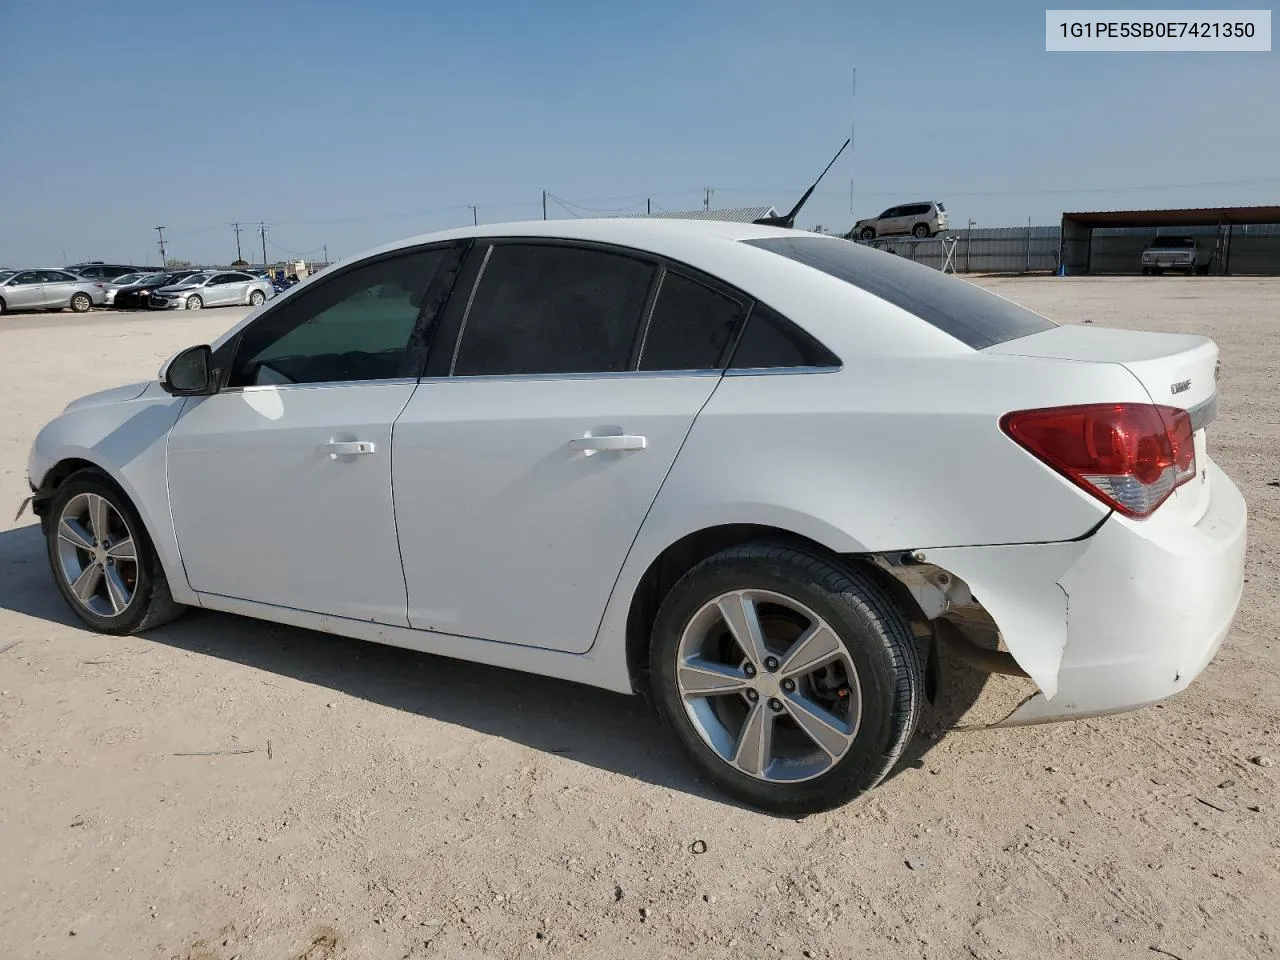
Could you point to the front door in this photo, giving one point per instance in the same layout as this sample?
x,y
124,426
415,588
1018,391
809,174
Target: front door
x,y
24,291
522,479
280,485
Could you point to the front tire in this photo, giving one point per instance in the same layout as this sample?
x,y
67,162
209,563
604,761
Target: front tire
x,y
867,233
194,302
81,303
790,679
102,559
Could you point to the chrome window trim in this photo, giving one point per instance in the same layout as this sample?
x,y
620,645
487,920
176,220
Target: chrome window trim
x,y
1204,413
777,371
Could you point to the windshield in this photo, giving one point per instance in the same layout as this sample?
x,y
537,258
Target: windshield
x,y
192,281
151,279
127,279
6,274
1174,242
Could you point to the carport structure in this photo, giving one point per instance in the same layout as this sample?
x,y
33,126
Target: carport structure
x,y
1244,239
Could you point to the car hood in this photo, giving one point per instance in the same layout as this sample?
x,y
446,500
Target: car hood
x,y
176,288
130,391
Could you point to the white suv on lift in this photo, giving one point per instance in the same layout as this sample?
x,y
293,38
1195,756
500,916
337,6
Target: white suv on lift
x,y
920,220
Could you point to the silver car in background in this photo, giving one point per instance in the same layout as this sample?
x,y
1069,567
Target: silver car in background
x,y
213,288
126,280
49,290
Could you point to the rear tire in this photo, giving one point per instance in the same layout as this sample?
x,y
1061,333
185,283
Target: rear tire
x,y
81,303
140,580
920,231
862,697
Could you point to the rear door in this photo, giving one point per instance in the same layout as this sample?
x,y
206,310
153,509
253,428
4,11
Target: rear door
x,y
221,290
528,457
58,287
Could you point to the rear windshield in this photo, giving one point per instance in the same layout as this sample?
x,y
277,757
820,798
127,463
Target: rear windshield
x,y
974,316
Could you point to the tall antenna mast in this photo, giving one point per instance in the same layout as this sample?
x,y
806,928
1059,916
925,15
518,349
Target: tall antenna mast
x,y
853,129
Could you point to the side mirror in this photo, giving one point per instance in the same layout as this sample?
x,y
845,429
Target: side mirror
x,y
190,373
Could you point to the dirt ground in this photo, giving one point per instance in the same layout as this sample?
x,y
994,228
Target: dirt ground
x,y
226,788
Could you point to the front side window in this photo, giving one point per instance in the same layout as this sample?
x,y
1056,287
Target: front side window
x,y
195,279
24,279
691,327
550,308
354,326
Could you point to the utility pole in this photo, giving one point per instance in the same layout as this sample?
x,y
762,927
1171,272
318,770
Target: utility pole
x,y
325,247
164,262
262,229
648,205
544,204
236,227
475,215
706,197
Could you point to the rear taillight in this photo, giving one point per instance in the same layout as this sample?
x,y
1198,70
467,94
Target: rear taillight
x,y
1131,456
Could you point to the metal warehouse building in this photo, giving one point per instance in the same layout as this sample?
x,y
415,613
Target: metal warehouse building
x,y
1243,240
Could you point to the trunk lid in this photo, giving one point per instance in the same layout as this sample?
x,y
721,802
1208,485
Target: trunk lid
x,y
1176,370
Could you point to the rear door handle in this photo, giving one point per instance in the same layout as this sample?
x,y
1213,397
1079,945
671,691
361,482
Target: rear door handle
x,y
347,448
590,445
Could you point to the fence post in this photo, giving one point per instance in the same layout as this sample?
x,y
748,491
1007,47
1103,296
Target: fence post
x,y
1027,269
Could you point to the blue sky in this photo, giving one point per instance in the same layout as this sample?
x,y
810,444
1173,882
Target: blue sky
x,y
352,124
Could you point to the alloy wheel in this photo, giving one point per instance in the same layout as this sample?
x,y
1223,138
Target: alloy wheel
x,y
97,556
769,686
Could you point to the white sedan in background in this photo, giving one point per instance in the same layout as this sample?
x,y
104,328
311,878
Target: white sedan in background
x,y
756,474
213,288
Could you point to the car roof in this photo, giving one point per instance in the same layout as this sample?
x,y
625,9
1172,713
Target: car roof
x,y
837,313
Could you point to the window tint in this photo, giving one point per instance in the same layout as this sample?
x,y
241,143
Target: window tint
x,y
241,277
916,209
57,276
354,326
224,278
770,340
553,309
891,212
973,316
691,327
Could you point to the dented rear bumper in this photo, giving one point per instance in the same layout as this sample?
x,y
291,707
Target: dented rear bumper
x,y
1124,618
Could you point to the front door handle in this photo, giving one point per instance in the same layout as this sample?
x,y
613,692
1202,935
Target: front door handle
x,y
590,445
347,448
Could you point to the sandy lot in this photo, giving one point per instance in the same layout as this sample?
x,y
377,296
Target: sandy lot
x,y
370,802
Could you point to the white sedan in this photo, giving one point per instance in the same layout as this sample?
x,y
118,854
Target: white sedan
x,y
757,474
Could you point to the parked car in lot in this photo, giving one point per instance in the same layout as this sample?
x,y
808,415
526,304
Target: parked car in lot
x,y
102,271
758,475
49,290
136,296
113,286
1176,253
212,288
920,220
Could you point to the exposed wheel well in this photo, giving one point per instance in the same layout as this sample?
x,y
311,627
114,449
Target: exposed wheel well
x,y
686,553
57,474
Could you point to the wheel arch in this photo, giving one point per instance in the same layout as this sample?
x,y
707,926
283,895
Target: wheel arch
x,y
682,555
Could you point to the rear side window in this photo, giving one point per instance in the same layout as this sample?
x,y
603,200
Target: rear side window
x,y
975,317
549,308
691,328
771,341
